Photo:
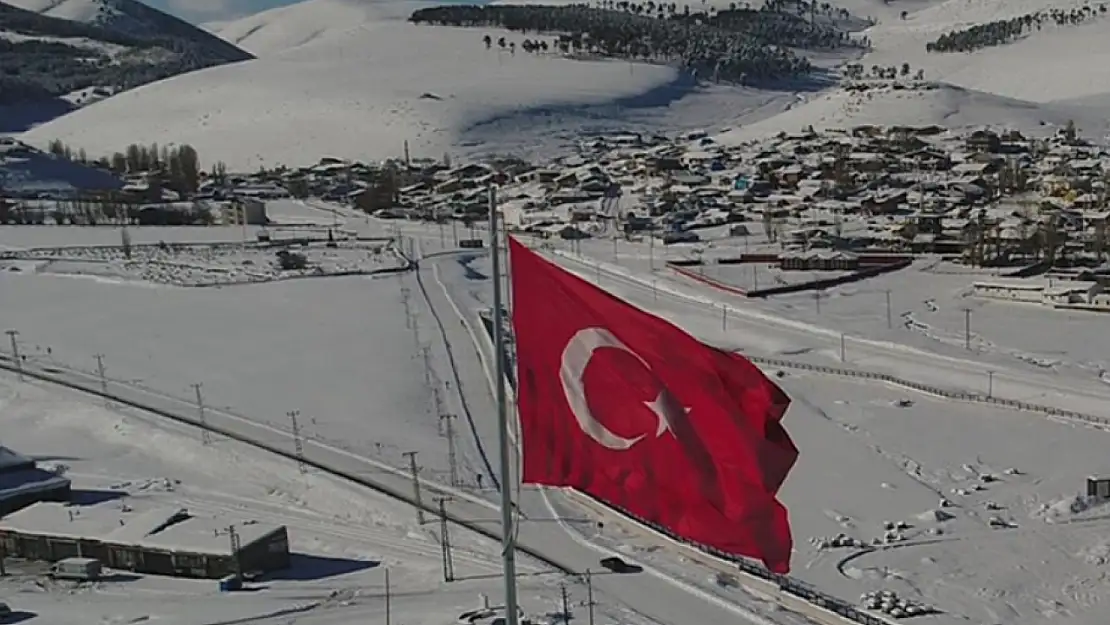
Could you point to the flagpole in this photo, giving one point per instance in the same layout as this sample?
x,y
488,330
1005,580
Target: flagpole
x,y
508,548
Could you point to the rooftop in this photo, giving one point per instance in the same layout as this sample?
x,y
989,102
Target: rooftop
x,y
10,458
131,521
23,481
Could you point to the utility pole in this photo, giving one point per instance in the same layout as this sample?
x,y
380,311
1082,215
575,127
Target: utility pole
x,y
651,248
842,348
236,547
13,336
100,372
205,435
388,610
967,328
508,535
448,421
990,384
415,470
426,354
445,540
755,276
442,237
455,231
590,595
724,317
817,300
566,602
298,445
889,312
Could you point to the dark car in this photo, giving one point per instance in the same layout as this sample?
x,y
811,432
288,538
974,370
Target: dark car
x,y
617,565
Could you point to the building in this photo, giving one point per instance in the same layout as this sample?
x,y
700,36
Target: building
x,y
23,483
1014,290
156,539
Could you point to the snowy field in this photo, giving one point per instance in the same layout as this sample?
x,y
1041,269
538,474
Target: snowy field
x,y
343,537
201,265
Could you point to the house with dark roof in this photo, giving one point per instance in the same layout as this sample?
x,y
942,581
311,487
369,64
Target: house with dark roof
x,y
23,483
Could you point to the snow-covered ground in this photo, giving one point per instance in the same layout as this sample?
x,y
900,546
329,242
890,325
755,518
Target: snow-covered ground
x,y
206,265
343,537
344,106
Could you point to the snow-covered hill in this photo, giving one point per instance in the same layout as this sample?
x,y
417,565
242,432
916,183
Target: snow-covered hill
x,y
359,95
272,31
908,103
27,170
58,55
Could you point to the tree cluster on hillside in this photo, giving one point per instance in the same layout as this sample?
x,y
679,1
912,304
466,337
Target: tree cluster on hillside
x,y
34,69
741,44
177,168
1001,32
855,71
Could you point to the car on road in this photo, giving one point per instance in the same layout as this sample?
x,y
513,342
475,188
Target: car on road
x,y
617,565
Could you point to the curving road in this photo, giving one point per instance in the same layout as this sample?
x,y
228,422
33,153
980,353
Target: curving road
x,y
650,594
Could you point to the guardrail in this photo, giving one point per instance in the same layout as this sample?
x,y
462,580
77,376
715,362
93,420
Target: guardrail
x,y
933,390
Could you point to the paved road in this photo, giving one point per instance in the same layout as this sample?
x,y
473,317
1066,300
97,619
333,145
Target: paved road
x,y
650,595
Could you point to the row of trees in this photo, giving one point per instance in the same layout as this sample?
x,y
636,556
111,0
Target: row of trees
x,y
177,168
742,45
1001,32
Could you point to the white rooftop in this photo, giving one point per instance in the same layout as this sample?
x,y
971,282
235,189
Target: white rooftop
x,y
128,521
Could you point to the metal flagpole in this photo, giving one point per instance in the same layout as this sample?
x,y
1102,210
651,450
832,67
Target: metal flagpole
x,y
508,548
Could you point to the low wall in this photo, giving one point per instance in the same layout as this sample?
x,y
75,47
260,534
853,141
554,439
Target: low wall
x,y
717,284
862,274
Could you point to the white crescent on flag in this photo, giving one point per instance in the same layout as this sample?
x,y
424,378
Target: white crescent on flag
x,y
576,357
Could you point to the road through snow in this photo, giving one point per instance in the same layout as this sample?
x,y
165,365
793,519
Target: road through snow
x,y
651,594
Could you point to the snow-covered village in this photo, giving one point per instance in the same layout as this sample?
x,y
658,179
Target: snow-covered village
x,y
301,326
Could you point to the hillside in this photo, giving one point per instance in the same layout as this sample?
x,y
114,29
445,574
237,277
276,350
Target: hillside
x,y
272,31
361,95
26,170
1034,50
907,103
50,64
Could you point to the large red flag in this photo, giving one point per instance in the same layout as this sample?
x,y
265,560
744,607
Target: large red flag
x,y
624,406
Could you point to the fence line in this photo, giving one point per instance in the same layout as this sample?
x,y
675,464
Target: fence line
x,y
933,390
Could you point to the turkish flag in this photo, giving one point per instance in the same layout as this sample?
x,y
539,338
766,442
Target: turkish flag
x,y
624,406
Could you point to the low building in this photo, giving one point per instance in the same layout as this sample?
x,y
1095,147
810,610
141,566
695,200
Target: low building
x,y
1013,290
159,540
23,483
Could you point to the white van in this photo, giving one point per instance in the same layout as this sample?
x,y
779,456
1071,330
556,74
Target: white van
x,y
79,569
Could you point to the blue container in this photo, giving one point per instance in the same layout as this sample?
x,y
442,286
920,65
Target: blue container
x,y
230,583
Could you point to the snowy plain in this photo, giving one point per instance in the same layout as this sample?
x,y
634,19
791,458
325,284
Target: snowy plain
x,y
343,536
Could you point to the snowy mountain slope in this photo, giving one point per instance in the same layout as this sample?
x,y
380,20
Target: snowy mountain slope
x,y
933,103
25,170
274,30
360,95
1046,62
51,64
